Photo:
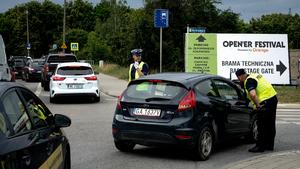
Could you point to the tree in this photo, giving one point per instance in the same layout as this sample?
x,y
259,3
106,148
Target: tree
x,y
73,36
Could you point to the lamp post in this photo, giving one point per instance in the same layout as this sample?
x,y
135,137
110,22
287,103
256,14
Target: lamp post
x,y
27,31
64,25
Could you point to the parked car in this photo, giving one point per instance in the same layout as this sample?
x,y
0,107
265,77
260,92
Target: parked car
x,y
17,66
74,79
32,69
4,68
50,65
188,110
30,136
12,74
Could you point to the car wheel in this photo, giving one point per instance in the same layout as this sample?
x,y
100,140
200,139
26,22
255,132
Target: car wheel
x,y
42,83
46,86
23,76
124,146
253,135
27,77
97,99
52,99
203,147
67,161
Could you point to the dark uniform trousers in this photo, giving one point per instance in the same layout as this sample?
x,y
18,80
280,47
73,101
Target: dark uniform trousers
x,y
266,118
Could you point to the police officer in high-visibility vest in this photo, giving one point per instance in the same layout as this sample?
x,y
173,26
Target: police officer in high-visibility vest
x,y
37,110
263,97
138,68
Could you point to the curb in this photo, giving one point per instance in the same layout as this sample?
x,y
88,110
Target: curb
x,y
260,160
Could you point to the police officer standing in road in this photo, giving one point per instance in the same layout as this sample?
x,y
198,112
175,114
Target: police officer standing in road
x,y
263,97
138,68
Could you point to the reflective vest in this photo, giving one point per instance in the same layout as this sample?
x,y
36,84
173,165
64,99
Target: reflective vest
x,y
136,73
40,110
264,89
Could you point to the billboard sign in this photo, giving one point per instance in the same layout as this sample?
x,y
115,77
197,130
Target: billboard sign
x,y
224,54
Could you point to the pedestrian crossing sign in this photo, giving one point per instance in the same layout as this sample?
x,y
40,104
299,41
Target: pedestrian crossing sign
x,y
64,46
74,47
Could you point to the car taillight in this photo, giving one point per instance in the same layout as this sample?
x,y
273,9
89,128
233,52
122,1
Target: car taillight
x,y
31,69
187,102
183,136
119,101
47,68
56,78
155,80
91,78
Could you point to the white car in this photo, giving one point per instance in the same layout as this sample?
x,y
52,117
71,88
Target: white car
x,y
74,79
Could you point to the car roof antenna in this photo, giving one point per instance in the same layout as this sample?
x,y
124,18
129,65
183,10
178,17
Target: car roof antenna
x,y
230,74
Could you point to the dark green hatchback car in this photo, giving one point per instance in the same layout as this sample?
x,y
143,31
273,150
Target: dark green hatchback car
x,y
188,110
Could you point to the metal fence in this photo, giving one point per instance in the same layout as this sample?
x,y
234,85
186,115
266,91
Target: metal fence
x,y
91,62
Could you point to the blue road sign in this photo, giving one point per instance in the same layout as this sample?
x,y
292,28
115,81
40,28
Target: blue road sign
x,y
28,45
54,46
161,18
197,30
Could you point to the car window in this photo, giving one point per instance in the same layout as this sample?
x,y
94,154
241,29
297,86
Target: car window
x,y
19,63
37,111
75,70
16,113
149,89
3,122
58,59
226,91
206,88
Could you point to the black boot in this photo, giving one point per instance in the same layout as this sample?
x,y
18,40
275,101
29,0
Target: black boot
x,y
256,149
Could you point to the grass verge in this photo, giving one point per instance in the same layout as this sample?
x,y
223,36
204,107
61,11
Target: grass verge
x,y
285,94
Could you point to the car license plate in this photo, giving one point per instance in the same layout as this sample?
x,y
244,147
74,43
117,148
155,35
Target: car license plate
x,y
38,71
71,86
146,112
16,73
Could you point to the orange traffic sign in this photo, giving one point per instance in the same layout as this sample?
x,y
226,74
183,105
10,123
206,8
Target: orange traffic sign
x,y
64,46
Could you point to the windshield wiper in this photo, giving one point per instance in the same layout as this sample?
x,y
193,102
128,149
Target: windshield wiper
x,y
156,99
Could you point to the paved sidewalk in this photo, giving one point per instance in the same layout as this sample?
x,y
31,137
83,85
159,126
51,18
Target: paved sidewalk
x,y
277,160
111,86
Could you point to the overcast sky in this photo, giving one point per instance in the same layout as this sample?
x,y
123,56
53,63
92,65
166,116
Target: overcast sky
x,y
247,8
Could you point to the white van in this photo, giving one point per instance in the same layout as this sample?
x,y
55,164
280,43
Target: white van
x,y
4,69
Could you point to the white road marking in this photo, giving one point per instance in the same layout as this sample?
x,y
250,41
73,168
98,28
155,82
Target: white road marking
x,y
282,122
38,90
288,115
288,110
291,119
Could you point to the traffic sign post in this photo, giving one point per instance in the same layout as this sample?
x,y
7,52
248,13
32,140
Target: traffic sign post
x,y
54,46
64,46
196,30
161,19
28,45
74,47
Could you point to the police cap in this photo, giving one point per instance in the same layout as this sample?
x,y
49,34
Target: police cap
x,y
240,72
137,51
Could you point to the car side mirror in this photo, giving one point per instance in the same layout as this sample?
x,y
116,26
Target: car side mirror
x,y
96,73
61,120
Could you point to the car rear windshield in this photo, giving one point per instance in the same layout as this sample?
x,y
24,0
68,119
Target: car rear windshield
x,y
152,89
63,58
37,63
19,63
72,70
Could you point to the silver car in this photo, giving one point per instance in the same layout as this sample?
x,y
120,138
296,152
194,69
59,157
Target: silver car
x,y
74,79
